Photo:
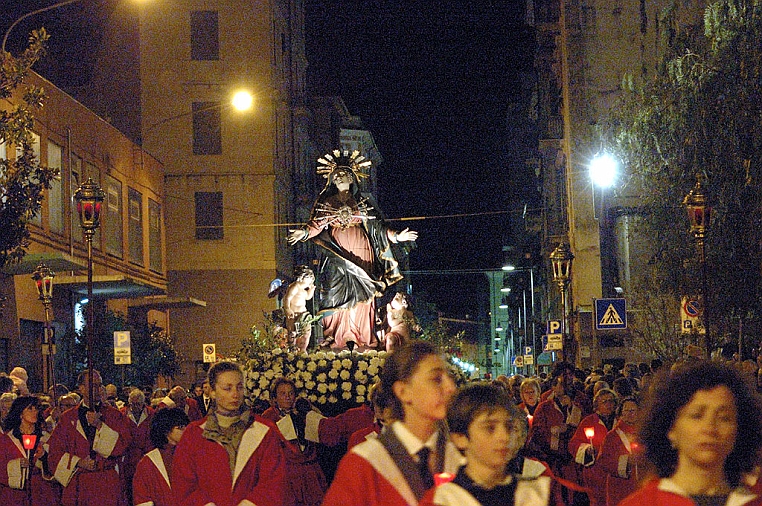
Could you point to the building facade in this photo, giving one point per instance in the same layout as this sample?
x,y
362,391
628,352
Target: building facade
x,y
129,258
230,176
584,50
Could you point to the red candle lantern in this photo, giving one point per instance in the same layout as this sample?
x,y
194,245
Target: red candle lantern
x,y
442,478
29,440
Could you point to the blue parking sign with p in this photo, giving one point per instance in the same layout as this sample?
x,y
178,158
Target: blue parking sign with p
x,y
554,327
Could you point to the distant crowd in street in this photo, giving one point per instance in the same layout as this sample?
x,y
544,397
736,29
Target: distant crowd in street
x,y
646,434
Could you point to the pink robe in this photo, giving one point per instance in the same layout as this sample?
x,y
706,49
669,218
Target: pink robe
x,y
356,323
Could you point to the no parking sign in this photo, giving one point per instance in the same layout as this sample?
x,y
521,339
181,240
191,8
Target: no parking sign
x,y
210,353
691,312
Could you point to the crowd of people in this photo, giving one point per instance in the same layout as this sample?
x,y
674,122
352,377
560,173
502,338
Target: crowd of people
x,y
679,434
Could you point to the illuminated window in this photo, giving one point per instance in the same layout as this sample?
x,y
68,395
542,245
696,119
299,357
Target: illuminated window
x,y
114,222
135,233
154,236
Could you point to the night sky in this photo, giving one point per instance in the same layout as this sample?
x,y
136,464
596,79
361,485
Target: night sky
x,y
434,82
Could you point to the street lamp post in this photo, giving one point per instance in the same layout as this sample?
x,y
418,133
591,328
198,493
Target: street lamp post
x,y
561,259
89,197
43,279
530,269
699,215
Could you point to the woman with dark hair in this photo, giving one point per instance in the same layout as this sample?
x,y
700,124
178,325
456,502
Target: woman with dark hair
x,y
304,476
702,431
381,417
231,457
150,485
397,468
358,264
621,455
21,477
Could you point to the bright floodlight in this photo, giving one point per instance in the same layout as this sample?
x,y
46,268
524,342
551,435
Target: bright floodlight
x,y
242,100
603,170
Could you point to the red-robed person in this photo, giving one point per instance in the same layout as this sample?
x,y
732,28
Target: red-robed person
x,y
396,468
232,457
554,424
382,416
621,454
529,391
177,397
302,427
306,483
702,432
23,472
151,486
139,418
86,446
585,446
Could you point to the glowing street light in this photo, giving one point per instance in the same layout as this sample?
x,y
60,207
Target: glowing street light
x,y
561,259
89,198
43,279
699,214
603,170
242,100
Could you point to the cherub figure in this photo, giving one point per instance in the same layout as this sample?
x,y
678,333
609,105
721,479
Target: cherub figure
x,y
400,320
298,319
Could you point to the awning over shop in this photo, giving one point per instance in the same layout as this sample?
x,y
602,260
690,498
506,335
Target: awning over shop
x,y
117,286
56,261
162,302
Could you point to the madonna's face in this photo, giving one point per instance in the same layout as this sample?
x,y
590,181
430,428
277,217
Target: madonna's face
x,y
342,178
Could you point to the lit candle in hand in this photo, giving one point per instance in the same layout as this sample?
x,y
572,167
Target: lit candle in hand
x,y
442,478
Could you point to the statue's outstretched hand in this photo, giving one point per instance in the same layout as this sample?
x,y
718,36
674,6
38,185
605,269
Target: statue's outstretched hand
x,y
407,235
294,236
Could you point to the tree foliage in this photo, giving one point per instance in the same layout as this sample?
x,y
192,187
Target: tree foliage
x,y
700,116
152,352
22,179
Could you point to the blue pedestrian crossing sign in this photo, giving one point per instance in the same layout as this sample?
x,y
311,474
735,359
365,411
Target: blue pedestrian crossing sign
x,y
610,314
